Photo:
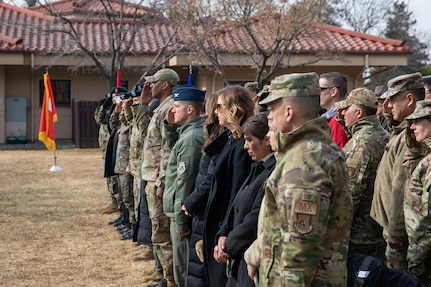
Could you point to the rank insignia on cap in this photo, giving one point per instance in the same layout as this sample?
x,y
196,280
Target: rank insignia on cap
x,y
181,167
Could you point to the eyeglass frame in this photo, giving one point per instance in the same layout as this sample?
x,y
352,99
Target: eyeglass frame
x,y
327,88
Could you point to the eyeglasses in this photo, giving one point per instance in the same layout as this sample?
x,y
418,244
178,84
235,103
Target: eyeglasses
x,y
325,88
220,107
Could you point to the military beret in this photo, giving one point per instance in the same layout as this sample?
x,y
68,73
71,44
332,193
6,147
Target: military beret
x,y
359,96
118,90
165,75
403,83
188,93
422,110
293,85
379,90
251,86
427,80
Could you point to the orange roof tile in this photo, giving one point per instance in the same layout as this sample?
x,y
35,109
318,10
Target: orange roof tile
x,y
32,30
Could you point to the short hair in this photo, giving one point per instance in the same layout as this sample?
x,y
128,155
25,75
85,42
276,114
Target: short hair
x,y
307,106
368,111
337,80
196,105
239,106
418,94
257,126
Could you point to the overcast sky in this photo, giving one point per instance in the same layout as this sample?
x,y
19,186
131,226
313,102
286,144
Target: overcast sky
x,y
421,10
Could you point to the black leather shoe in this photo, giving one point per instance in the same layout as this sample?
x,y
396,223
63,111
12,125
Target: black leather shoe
x,y
123,230
161,283
128,235
112,222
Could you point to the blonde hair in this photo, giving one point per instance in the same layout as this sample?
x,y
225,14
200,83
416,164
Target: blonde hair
x,y
239,107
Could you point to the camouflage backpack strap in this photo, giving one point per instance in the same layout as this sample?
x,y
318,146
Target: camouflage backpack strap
x,y
363,271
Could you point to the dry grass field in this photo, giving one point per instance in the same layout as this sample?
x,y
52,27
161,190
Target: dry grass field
x,y
52,232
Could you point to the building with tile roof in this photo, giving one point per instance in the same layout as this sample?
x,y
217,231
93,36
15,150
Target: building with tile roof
x,y
30,42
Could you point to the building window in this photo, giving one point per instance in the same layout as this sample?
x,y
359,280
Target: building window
x,y
61,91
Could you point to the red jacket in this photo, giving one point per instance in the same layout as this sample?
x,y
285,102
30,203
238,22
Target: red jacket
x,y
337,132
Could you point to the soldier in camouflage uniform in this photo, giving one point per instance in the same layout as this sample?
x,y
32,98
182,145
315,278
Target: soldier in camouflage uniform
x,y
363,153
138,114
417,202
120,121
103,141
398,161
105,111
307,206
155,155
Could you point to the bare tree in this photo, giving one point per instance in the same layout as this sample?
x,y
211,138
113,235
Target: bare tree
x,y
122,24
366,16
266,32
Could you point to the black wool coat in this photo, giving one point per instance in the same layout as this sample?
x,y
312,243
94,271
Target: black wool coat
x,y
196,203
240,224
228,169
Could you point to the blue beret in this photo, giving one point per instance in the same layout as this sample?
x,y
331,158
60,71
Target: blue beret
x,y
188,93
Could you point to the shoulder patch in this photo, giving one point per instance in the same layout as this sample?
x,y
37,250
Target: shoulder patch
x,y
181,167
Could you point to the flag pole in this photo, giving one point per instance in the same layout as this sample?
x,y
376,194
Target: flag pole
x,y
47,119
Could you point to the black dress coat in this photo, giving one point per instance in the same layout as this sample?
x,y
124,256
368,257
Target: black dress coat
x,y
228,169
195,204
240,224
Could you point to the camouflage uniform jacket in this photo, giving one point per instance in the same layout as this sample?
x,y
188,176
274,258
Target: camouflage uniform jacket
x,y
103,131
137,137
417,217
308,211
157,145
363,153
181,172
123,146
393,174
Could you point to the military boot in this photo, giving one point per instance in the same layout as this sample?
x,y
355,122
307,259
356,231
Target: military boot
x,y
146,253
112,207
154,277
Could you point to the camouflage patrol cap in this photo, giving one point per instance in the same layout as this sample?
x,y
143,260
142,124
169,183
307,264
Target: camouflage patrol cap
x,y
165,75
403,83
422,110
359,96
293,85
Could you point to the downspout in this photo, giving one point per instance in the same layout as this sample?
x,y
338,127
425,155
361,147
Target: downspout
x,y
31,97
359,76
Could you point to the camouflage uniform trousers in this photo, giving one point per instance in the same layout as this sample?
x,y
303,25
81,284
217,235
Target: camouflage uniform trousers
x,y
114,189
136,195
160,237
126,188
396,258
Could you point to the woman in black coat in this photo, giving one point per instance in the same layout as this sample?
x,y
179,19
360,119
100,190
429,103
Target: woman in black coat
x,y
195,203
239,229
228,170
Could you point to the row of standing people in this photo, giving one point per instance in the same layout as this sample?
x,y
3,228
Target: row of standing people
x,y
212,199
